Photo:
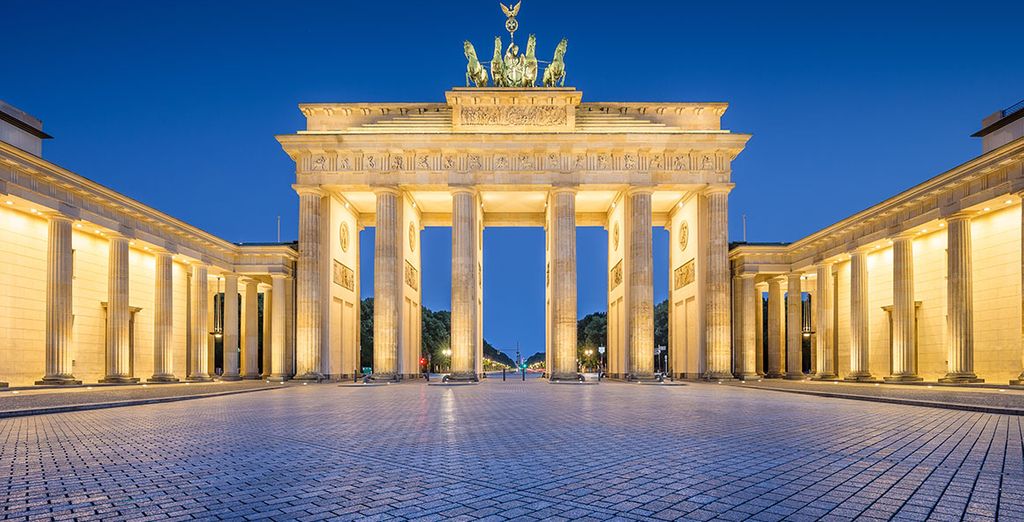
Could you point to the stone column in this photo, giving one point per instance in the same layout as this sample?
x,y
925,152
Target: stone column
x,y
759,290
58,302
465,233
776,332
199,369
959,300
794,327
230,338
163,319
563,283
859,336
749,303
251,331
387,284
719,335
641,285
279,328
118,314
1019,381
904,344
826,323
308,318
268,330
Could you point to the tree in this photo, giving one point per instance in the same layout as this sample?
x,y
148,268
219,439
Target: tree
x,y
661,324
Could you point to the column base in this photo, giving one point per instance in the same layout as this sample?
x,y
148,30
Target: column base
x,y
117,379
163,378
3,385
230,377
795,376
748,376
826,377
719,377
641,377
199,378
310,376
960,378
461,377
774,374
278,378
860,377
903,378
251,377
57,381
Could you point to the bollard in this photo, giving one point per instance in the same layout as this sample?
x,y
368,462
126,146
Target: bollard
x,y
502,375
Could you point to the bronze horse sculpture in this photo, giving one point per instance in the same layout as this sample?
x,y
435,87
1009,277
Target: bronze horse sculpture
x,y
475,71
554,74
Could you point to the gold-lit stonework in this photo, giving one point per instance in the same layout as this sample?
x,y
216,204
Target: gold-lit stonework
x,y
343,276
683,275
412,277
343,237
684,235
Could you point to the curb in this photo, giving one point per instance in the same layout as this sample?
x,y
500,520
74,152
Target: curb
x,y
27,412
892,400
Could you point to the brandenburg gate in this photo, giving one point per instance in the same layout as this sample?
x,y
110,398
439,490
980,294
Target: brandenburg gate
x,y
513,155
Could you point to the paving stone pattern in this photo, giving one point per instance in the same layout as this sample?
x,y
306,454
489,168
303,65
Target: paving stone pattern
x,y
1008,398
514,450
55,397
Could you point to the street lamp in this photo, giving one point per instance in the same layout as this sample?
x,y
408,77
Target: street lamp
x,y
588,352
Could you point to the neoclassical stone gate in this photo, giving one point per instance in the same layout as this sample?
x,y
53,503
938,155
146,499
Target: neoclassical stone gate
x,y
492,157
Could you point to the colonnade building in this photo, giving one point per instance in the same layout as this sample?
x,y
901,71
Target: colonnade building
x,y
924,286
101,288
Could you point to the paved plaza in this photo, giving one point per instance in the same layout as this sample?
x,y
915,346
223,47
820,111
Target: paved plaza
x,y
514,450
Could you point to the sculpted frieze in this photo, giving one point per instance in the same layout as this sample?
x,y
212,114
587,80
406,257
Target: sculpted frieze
x,y
514,115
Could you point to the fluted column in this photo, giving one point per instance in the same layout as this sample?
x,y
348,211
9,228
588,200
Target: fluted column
x,y
387,284
58,302
231,338
748,326
1019,381
826,368
794,327
279,328
641,286
563,283
959,300
904,343
759,289
308,317
465,234
776,331
199,359
859,331
268,330
118,314
719,334
251,331
163,319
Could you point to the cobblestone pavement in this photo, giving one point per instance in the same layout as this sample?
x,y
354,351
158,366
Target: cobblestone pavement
x,y
12,400
514,450
999,398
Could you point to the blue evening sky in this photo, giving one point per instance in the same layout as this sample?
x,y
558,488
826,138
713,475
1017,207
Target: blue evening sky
x,y
177,103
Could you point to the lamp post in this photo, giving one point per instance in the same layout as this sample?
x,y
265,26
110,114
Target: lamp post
x,y
587,353
600,361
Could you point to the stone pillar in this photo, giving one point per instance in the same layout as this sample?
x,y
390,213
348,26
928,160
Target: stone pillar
x,y
58,302
268,331
387,284
904,344
748,326
464,323
776,331
163,319
279,328
563,283
230,338
719,335
641,286
959,300
251,331
118,314
199,360
794,327
826,368
759,289
308,318
859,335
1019,381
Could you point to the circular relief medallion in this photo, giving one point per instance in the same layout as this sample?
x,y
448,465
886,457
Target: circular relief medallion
x,y
343,237
684,235
412,237
615,236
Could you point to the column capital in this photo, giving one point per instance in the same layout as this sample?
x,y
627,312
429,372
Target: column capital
x,y
460,189
313,190
639,190
284,277
718,188
904,235
56,215
560,189
160,251
386,189
961,215
746,276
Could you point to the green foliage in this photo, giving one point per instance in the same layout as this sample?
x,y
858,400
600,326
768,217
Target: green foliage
x,y
538,357
661,324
